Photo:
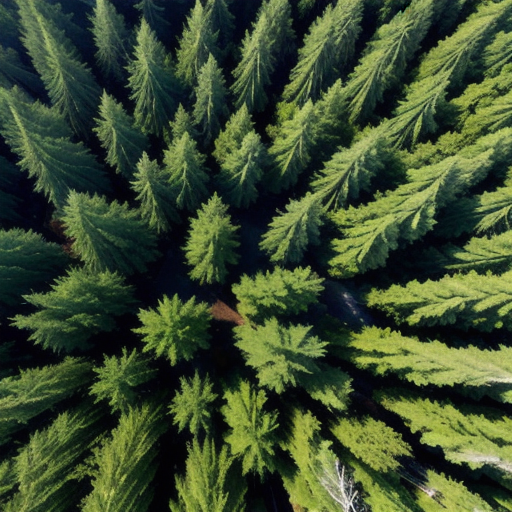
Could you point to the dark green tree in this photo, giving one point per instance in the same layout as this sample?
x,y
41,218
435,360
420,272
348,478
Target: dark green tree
x,y
108,236
176,329
222,21
211,242
153,13
14,72
80,305
9,177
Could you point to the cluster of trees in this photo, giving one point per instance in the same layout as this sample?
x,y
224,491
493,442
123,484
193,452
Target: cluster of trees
x,y
360,140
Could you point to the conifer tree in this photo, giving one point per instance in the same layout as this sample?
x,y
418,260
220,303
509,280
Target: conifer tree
x,y
111,38
8,202
279,19
276,293
291,232
210,106
152,12
124,465
14,72
35,390
242,170
211,242
187,175
80,305
252,433
181,123
118,378
151,81
156,197
191,405
210,483
108,236
327,47
40,138
498,54
222,21
176,329
27,262
118,136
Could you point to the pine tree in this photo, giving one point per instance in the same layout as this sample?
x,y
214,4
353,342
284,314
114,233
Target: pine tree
x,y
80,305
276,293
279,354
152,12
181,123
211,243
187,175
14,72
327,47
292,231
151,81
156,197
197,42
41,139
467,300
210,106
210,483
252,433
27,262
222,21
242,170
279,19
191,405
118,379
118,136
111,38
124,465
108,236
68,82
175,329
382,352
33,391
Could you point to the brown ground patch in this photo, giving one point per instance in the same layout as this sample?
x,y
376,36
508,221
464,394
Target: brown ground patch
x,y
221,311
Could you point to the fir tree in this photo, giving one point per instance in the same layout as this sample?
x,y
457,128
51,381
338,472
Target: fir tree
x,y
151,82
292,231
80,305
187,175
210,483
124,465
210,106
156,197
222,21
181,123
498,54
123,142
14,72
118,378
191,405
211,243
252,433
242,170
111,38
175,329
276,293
279,19
152,12
27,262
108,236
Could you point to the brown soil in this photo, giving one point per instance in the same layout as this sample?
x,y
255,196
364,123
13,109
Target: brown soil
x,y
221,311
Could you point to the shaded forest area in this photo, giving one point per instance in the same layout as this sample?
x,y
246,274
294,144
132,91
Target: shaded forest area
x,y
255,256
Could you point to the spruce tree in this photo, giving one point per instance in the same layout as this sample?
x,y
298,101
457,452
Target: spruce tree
x,y
181,123
80,305
291,232
156,197
251,435
123,142
108,236
176,329
151,81
222,21
211,243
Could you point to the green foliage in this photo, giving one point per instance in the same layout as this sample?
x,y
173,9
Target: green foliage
x,y
8,202
187,174
291,232
191,405
80,305
156,197
222,20
124,464
118,377
108,236
279,354
152,83
276,293
252,433
210,483
14,72
123,142
211,242
498,54
27,261
181,124
175,329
